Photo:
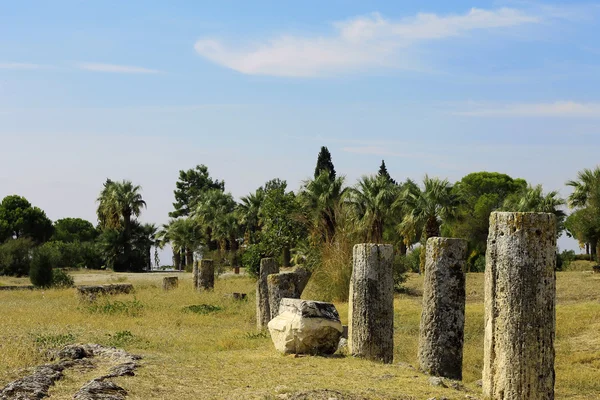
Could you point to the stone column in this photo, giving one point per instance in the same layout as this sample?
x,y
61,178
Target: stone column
x,y
371,303
286,285
520,317
206,275
268,266
170,282
195,276
443,316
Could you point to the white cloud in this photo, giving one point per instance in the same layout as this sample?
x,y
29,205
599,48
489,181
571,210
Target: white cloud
x,y
362,42
20,66
124,69
566,109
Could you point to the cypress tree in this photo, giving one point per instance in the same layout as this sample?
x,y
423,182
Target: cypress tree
x,y
384,172
324,163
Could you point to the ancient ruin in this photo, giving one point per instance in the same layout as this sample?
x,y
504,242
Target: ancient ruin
x,y
268,266
286,285
306,327
206,275
371,303
520,293
443,315
170,282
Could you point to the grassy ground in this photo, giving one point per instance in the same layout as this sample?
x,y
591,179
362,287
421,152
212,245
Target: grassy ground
x,y
220,355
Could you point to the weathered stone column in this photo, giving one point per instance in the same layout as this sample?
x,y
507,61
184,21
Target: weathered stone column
x,y
286,285
195,275
371,303
520,318
443,317
206,276
170,282
268,266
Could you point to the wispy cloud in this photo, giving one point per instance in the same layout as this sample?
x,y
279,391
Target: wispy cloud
x,y
565,109
20,66
362,42
123,69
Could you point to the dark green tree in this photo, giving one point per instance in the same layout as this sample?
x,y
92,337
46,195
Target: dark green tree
x,y
71,230
15,256
324,163
18,218
383,172
189,187
282,224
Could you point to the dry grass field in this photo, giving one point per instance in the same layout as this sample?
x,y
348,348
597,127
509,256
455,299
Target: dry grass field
x,y
220,355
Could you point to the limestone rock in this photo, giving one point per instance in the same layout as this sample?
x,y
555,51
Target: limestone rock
x,y
206,277
170,282
286,285
195,275
520,297
371,303
443,317
91,292
268,266
306,327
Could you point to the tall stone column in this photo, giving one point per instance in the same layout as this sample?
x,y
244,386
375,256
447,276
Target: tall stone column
x,y
371,304
268,266
195,275
443,317
520,317
206,276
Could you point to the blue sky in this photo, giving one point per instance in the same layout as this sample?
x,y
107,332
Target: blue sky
x,y
141,89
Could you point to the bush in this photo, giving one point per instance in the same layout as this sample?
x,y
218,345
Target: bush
x,y
401,267
251,259
15,256
413,259
479,264
62,279
42,261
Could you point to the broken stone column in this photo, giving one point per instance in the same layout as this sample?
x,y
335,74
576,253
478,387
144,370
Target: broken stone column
x,y
206,275
371,303
195,275
170,282
268,266
443,315
286,285
520,318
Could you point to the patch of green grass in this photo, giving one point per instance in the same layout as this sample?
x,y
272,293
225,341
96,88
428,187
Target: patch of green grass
x,y
131,308
202,309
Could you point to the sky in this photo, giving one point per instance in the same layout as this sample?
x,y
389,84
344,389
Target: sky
x,y
139,90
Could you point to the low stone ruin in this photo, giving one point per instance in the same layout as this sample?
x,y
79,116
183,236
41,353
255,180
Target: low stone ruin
x,y
170,283
90,293
286,285
36,385
306,327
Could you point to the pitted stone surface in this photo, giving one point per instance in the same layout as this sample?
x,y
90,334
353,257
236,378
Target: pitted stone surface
x,y
520,320
170,282
286,285
443,315
268,266
371,303
206,275
306,327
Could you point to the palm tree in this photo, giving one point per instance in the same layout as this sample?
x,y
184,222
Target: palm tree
x,y
184,234
586,195
371,200
118,203
322,197
248,212
210,209
430,207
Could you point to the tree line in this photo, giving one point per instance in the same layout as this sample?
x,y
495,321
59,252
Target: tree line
x,y
316,226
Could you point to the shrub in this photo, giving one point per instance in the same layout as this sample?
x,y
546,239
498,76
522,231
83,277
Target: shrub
x,y
62,279
120,338
413,259
49,341
251,259
401,267
40,271
479,264
15,256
